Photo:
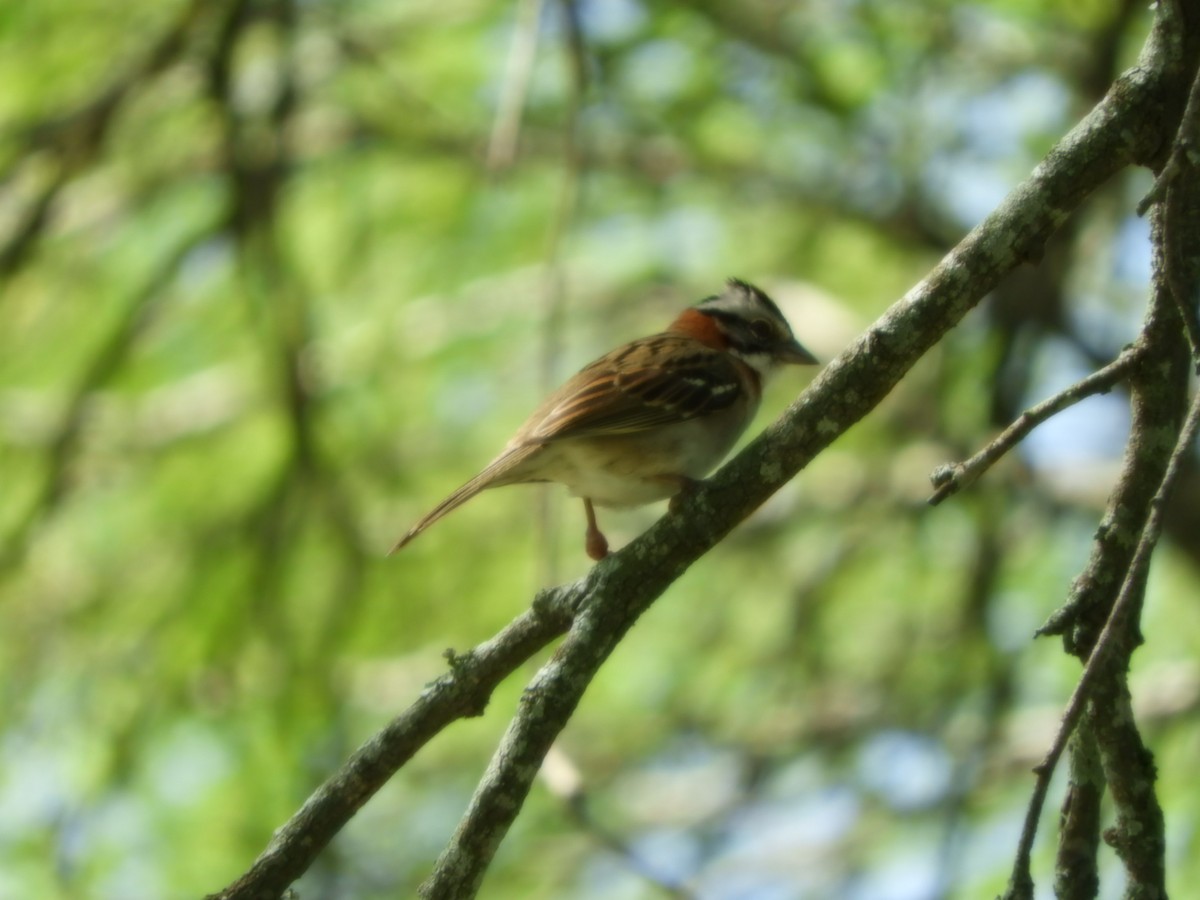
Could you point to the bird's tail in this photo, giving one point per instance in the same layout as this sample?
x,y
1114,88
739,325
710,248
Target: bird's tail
x,y
499,472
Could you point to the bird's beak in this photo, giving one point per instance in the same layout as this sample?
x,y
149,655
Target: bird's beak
x,y
793,352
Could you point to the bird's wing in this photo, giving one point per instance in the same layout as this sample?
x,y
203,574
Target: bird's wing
x,y
659,380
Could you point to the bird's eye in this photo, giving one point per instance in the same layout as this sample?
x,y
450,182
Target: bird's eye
x,y
762,329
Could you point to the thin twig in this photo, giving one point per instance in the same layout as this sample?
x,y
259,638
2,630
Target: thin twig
x,y
1187,142
506,129
577,807
1179,223
1021,882
1175,260
564,780
952,478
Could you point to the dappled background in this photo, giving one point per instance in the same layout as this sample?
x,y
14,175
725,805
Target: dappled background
x,y
276,276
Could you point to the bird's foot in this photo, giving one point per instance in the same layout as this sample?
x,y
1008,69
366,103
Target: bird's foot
x,y
595,543
687,486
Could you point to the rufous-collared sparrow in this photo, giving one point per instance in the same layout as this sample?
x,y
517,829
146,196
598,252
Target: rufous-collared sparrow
x,y
647,419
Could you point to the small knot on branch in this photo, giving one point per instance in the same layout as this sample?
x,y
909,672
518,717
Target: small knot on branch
x,y
947,479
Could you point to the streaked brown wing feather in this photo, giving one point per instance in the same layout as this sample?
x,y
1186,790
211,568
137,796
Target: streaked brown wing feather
x,y
608,397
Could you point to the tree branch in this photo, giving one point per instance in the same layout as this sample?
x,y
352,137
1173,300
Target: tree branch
x,y
1175,188
460,693
1159,393
1102,655
952,478
1076,873
1135,508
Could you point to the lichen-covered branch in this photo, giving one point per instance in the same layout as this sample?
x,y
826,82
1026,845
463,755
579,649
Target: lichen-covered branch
x,y
1076,869
460,693
1114,582
1100,622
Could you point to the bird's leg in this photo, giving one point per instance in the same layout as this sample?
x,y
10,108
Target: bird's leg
x,y
686,486
595,542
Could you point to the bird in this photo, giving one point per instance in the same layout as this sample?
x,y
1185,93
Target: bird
x,y
649,419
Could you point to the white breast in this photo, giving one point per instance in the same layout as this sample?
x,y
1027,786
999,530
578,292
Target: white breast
x,y
642,467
